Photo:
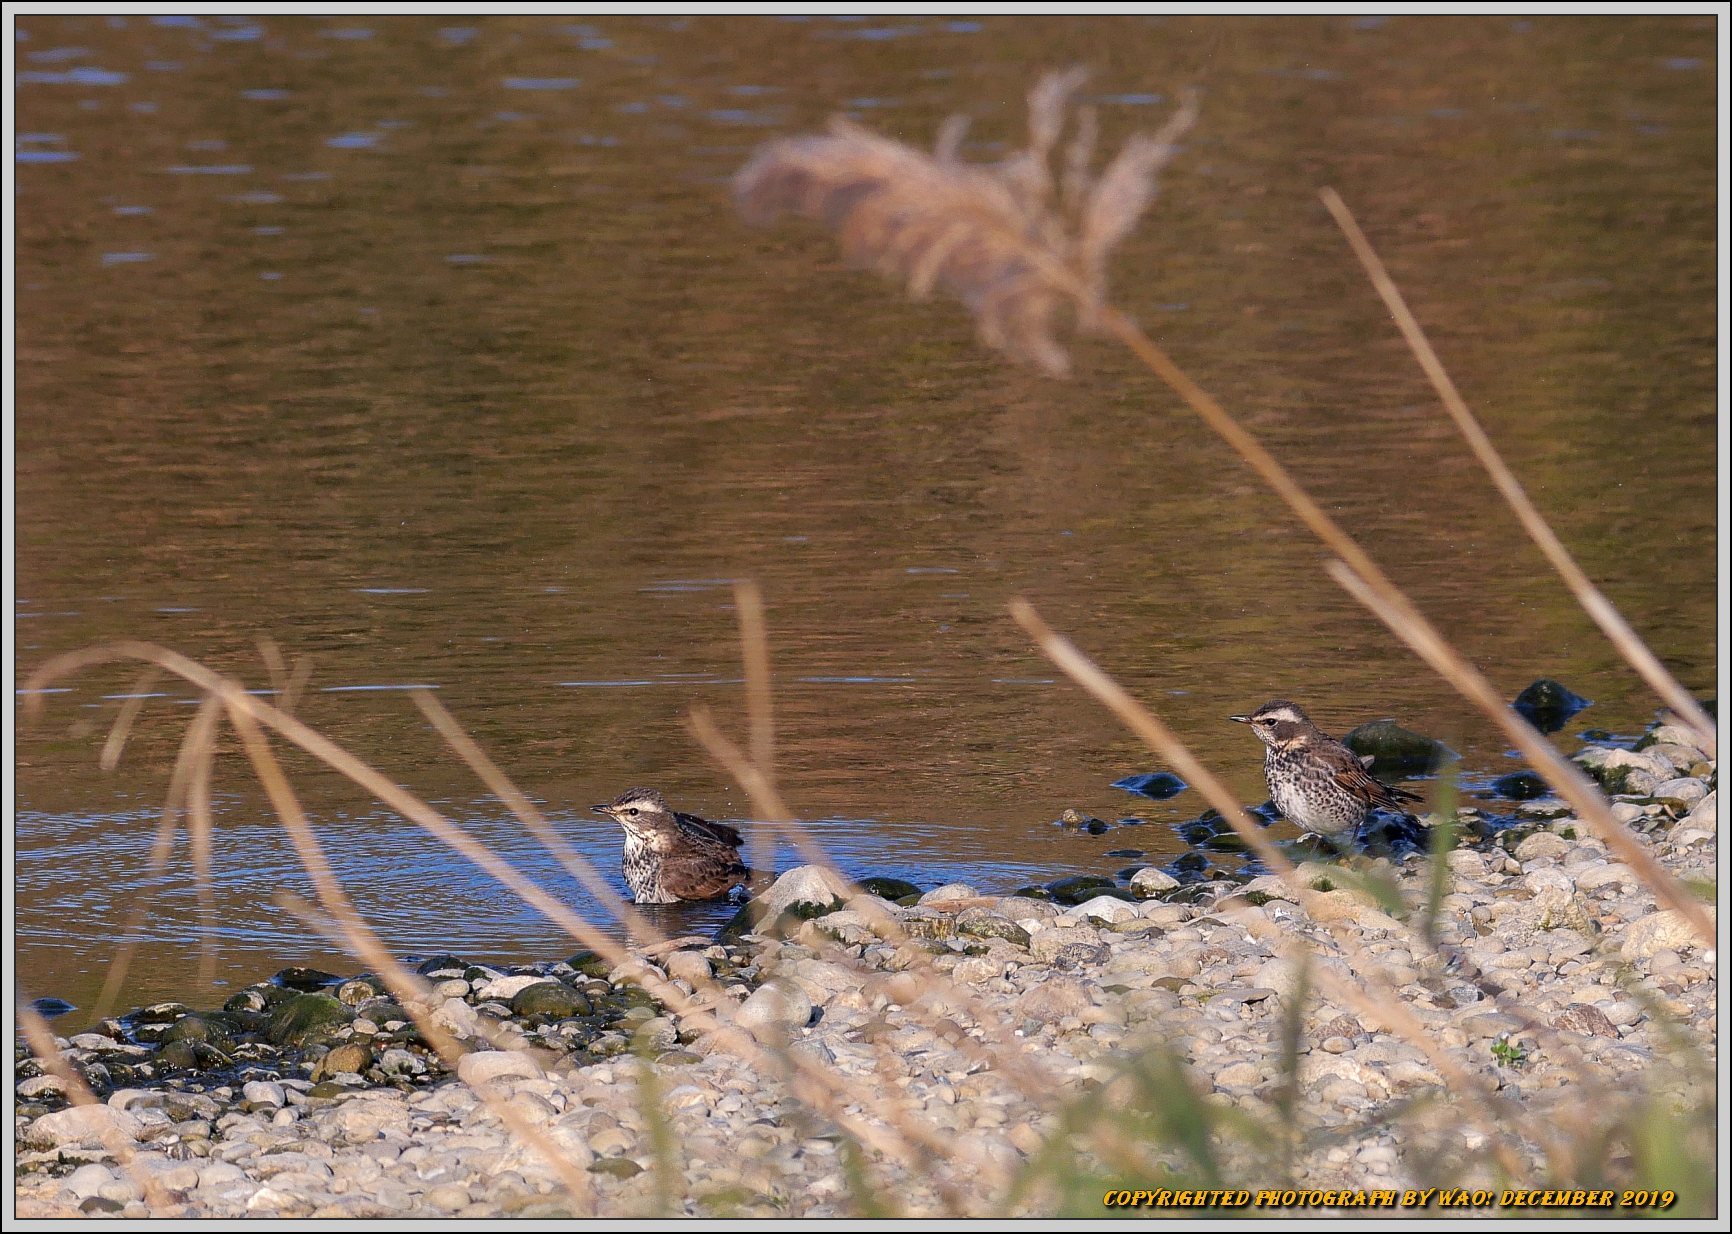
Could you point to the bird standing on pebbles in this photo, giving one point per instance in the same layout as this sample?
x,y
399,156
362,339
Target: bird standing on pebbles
x,y
670,856
1318,783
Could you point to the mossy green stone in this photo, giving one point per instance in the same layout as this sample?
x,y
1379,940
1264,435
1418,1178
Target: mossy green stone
x,y
554,999
199,1028
1396,749
615,1167
889,888
590,964
308,1018
742,923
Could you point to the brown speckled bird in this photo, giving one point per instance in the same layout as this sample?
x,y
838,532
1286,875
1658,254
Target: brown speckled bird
x,y
1317,782
671,856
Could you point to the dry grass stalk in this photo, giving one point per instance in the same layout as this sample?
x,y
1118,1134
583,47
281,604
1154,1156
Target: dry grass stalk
x,y
1592,600
1166,743
489,773
1378,998
188,791
42,1044
1575,787
823,181
1016,242
365,944
201,736
124,720
1002,1051
648,940
895,1133
760,705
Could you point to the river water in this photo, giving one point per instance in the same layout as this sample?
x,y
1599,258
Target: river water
x,y
433,349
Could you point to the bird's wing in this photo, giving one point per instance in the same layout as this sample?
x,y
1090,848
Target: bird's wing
x,y
700,875
703,829
1351,774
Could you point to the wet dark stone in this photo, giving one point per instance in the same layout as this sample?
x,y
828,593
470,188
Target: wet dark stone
x,y
1033,893
1128,873
1597,735
1548,706
51,1007
382,1011
1098,827
1076,888
1388,834
1127,854
207,1029
1076,820
1188,863
307,1019
297,978
449,966
889,888
553,999
1521,786
1225,842
1197,831
185,1055
161,1013
1157,784
1396,750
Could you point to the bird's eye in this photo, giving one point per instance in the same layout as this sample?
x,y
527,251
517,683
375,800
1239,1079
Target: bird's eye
x,y
632,810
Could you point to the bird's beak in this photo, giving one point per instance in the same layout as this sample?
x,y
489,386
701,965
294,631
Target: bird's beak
x,y
1240,719
600,810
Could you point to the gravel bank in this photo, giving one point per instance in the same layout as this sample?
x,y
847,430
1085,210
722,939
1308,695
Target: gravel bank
x,y
321,1102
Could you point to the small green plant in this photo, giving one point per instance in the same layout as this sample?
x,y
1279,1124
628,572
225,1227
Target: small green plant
x,y
1508,1053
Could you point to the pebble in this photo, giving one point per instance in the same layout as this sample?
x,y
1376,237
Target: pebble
x,y
774,1009
1558,922
489,1065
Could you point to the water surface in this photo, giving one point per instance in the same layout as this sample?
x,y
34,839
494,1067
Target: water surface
x,y
433,350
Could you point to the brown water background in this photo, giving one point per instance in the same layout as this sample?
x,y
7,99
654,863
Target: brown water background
x,y
434,350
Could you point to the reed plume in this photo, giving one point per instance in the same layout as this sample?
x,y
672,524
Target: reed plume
x,y
1018,242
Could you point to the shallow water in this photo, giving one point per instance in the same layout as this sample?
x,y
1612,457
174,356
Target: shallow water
x,y
433,350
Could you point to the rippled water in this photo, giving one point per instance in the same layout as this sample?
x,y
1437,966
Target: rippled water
x,y
433,350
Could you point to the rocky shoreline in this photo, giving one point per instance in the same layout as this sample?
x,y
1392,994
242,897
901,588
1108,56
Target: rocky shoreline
x,y
313,1096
